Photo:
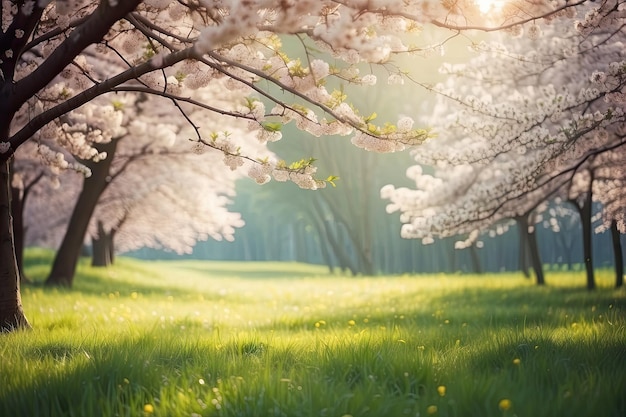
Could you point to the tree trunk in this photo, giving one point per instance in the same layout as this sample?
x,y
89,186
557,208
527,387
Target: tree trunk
x,y
329,233
533,248
66,259
111,244
101,247
18,204
585,220
475,258
17,211
523,246
327,257
617,252
11,312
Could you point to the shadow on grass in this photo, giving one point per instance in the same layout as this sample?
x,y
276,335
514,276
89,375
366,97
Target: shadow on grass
x,y
119,376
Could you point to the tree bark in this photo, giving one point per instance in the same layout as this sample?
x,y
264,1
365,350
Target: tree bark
x,y
11,311
66,259
323,242
17,212
18,204
617,252
533,248
475,258
523,246
585,219
101,248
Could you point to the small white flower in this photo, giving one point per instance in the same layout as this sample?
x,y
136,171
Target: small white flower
x,y
395,79
369,79
598,77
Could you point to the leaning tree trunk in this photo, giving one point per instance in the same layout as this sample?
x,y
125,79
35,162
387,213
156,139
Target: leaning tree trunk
x,y
617,252
11,312
66,259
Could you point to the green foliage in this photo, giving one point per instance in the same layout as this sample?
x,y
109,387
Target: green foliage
x,y
148,51
272,126
250,102
337,96
301,164
331,179
192,338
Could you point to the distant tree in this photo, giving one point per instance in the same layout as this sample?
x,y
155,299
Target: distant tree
x,y
134,184
518,125
26,174
582,199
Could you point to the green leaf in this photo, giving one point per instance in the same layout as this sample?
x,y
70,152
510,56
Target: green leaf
x,y
331,180
250,102
272,126
370,117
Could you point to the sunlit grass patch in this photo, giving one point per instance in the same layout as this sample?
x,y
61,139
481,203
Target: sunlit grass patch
x,y
230,339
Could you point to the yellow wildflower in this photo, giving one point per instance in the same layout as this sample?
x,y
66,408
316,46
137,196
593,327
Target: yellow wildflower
x,y
505,404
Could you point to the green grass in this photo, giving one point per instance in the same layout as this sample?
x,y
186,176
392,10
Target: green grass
x,y
190,338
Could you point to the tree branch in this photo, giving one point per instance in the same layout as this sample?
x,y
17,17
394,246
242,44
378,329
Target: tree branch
x,y
89,94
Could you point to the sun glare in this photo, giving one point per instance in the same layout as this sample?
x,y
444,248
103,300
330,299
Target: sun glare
x,y
486,6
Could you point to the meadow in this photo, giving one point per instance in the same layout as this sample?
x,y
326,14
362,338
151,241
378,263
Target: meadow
x,y
191,338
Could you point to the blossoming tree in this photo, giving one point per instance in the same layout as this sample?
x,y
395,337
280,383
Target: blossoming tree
x,y
141,156
161,44
521,124
136,189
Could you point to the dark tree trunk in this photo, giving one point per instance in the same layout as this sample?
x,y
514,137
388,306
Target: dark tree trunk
x,y
566,249
102,247
533,248
585,220
617,252
111,243
523,246
11,312
66,259
17,211
475,258
18,204
535,257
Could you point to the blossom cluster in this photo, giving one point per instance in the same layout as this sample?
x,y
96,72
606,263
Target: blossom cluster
x,y
526,121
